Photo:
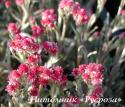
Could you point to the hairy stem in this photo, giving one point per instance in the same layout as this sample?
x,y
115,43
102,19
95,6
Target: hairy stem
x,y
63,31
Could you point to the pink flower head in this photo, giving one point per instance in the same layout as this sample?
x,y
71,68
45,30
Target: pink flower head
x,y
31,76
76,8
14,82
37,30
93,74
80,17
36,82
12,86
23,69
43,81
86,77
47,73
19,2
75,72
97,78
14,74
1,1
64,80
58,76
96,34
66,5
79,14
34,91
34,76
57,73
12,27
26,45
65,8
82,67
94,96
58,70
48,18
98,90
123,12
8,3
33,73
34,59
38,75
50,47
93,67
54,74
10,89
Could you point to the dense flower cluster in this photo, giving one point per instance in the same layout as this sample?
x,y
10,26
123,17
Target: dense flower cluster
x,y
26,45
19,2
92,75
66,6
95,94
123,12
37,30
34,59
50,47
13,83
33,76
8,3
48,18
30,75
12,28
79,14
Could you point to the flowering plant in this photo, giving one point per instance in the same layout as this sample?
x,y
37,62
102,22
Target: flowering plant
x,y
58,52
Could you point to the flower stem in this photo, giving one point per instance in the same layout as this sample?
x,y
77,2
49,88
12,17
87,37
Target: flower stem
x,y
10,103
63,31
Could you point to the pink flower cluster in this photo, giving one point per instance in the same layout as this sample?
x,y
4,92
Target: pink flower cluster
x,y
37,30
30,75
48,18
19,2
12,28
26,45
123,12
34,59
92,75
95,94
8,3
34,76
50,47
66,5
79,14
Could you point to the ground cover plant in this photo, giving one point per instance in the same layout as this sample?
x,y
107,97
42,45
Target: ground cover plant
x,y
62,53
